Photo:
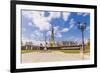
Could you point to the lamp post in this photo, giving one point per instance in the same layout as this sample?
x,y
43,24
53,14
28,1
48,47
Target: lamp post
x,y
82,27
45,47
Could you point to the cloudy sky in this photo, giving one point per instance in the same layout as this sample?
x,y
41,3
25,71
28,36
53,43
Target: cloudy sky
x,y
37,24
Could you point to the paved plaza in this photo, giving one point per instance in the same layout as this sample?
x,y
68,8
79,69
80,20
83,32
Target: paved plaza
x,y
51,57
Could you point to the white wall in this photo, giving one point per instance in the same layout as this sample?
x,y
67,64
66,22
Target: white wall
x,y
5,37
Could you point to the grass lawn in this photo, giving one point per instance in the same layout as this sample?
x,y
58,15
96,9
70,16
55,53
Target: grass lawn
x,y
70,51
65,51
29,51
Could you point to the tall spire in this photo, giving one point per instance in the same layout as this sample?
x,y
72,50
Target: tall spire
x,y
52,42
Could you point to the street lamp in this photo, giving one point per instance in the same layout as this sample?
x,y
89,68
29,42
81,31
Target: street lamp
x,y
82,27
45,47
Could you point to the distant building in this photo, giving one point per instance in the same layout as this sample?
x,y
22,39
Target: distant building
x,y
27,46
67,43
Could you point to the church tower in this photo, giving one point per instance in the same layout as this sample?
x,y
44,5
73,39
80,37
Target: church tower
x,y
52,41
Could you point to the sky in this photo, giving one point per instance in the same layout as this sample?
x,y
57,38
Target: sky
x,y
36,25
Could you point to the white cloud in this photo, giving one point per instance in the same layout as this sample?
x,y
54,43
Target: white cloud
x,y
27,14
72,23
23,29
64,30
37,35
37,19
30,24
82,14
52,15
40,22
58,35
56,29
79,13
66,15
57,32
35,38
48,33
56,14
85,14
24,40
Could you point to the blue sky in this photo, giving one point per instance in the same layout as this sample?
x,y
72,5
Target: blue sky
x,y
37,24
